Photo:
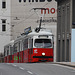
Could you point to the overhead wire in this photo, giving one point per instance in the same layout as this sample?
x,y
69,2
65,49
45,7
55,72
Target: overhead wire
x,y
24,19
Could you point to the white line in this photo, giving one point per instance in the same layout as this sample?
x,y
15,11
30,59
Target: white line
x,y
29,72
14,65
21,68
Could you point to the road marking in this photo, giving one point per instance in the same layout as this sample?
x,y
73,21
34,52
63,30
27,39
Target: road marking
x,y
14,65
21,68
29,72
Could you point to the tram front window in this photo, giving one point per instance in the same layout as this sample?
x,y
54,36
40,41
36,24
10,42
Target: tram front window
x,y
43,43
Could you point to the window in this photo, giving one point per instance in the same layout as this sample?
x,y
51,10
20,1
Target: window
x,y
7,49
30,43
16,47
25,44
4,51
7,52
43,43
3,25
3,4
11,50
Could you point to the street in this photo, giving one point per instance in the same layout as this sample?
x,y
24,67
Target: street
x,y
35,69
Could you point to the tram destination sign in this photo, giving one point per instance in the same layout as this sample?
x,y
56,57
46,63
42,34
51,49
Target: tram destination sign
x,y
27,30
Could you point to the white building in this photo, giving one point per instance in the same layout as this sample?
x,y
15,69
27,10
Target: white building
x,y
5,23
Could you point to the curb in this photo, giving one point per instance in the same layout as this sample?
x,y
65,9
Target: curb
x,y
65,64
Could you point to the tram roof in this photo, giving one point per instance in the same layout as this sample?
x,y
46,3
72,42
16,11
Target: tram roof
x,y
41,32
34,33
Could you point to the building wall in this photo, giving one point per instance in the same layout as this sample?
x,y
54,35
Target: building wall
x,y
5,14
23,16
64,26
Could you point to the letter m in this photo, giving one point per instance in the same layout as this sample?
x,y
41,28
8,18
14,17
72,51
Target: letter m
x,y
44,10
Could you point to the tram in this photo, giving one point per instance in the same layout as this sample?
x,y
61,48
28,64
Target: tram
x,y
8,52
36,46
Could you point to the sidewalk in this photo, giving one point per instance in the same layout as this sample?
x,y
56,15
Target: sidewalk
x,y
70,64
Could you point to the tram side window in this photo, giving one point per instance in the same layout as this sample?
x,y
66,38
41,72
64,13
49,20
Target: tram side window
x,y
16,47
11,50
21,48
5,51
20,44
30,43
25,44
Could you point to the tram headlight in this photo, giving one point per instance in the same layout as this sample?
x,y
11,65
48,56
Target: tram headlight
x,y
43,54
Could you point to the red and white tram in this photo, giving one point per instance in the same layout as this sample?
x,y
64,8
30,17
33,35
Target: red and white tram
x,y
33,47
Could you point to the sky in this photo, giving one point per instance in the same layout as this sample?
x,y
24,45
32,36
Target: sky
x,y
73,46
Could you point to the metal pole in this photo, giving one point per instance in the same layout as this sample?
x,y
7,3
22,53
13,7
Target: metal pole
x,y
40,23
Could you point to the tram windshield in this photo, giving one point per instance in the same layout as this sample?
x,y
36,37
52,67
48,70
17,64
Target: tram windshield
x,y
43,43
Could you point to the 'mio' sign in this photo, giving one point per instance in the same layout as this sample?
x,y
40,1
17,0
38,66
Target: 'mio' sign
x,y
49,11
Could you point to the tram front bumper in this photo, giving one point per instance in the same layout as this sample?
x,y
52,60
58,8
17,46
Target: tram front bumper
x,y
42,56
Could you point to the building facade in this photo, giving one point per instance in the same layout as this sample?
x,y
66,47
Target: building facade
x,y
66,30
5,23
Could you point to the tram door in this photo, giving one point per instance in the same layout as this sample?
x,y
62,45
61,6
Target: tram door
x,y
30,49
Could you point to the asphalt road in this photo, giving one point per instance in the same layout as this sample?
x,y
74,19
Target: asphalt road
x,y
35,69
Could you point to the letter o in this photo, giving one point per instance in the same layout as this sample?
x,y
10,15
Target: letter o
x,y
52,10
